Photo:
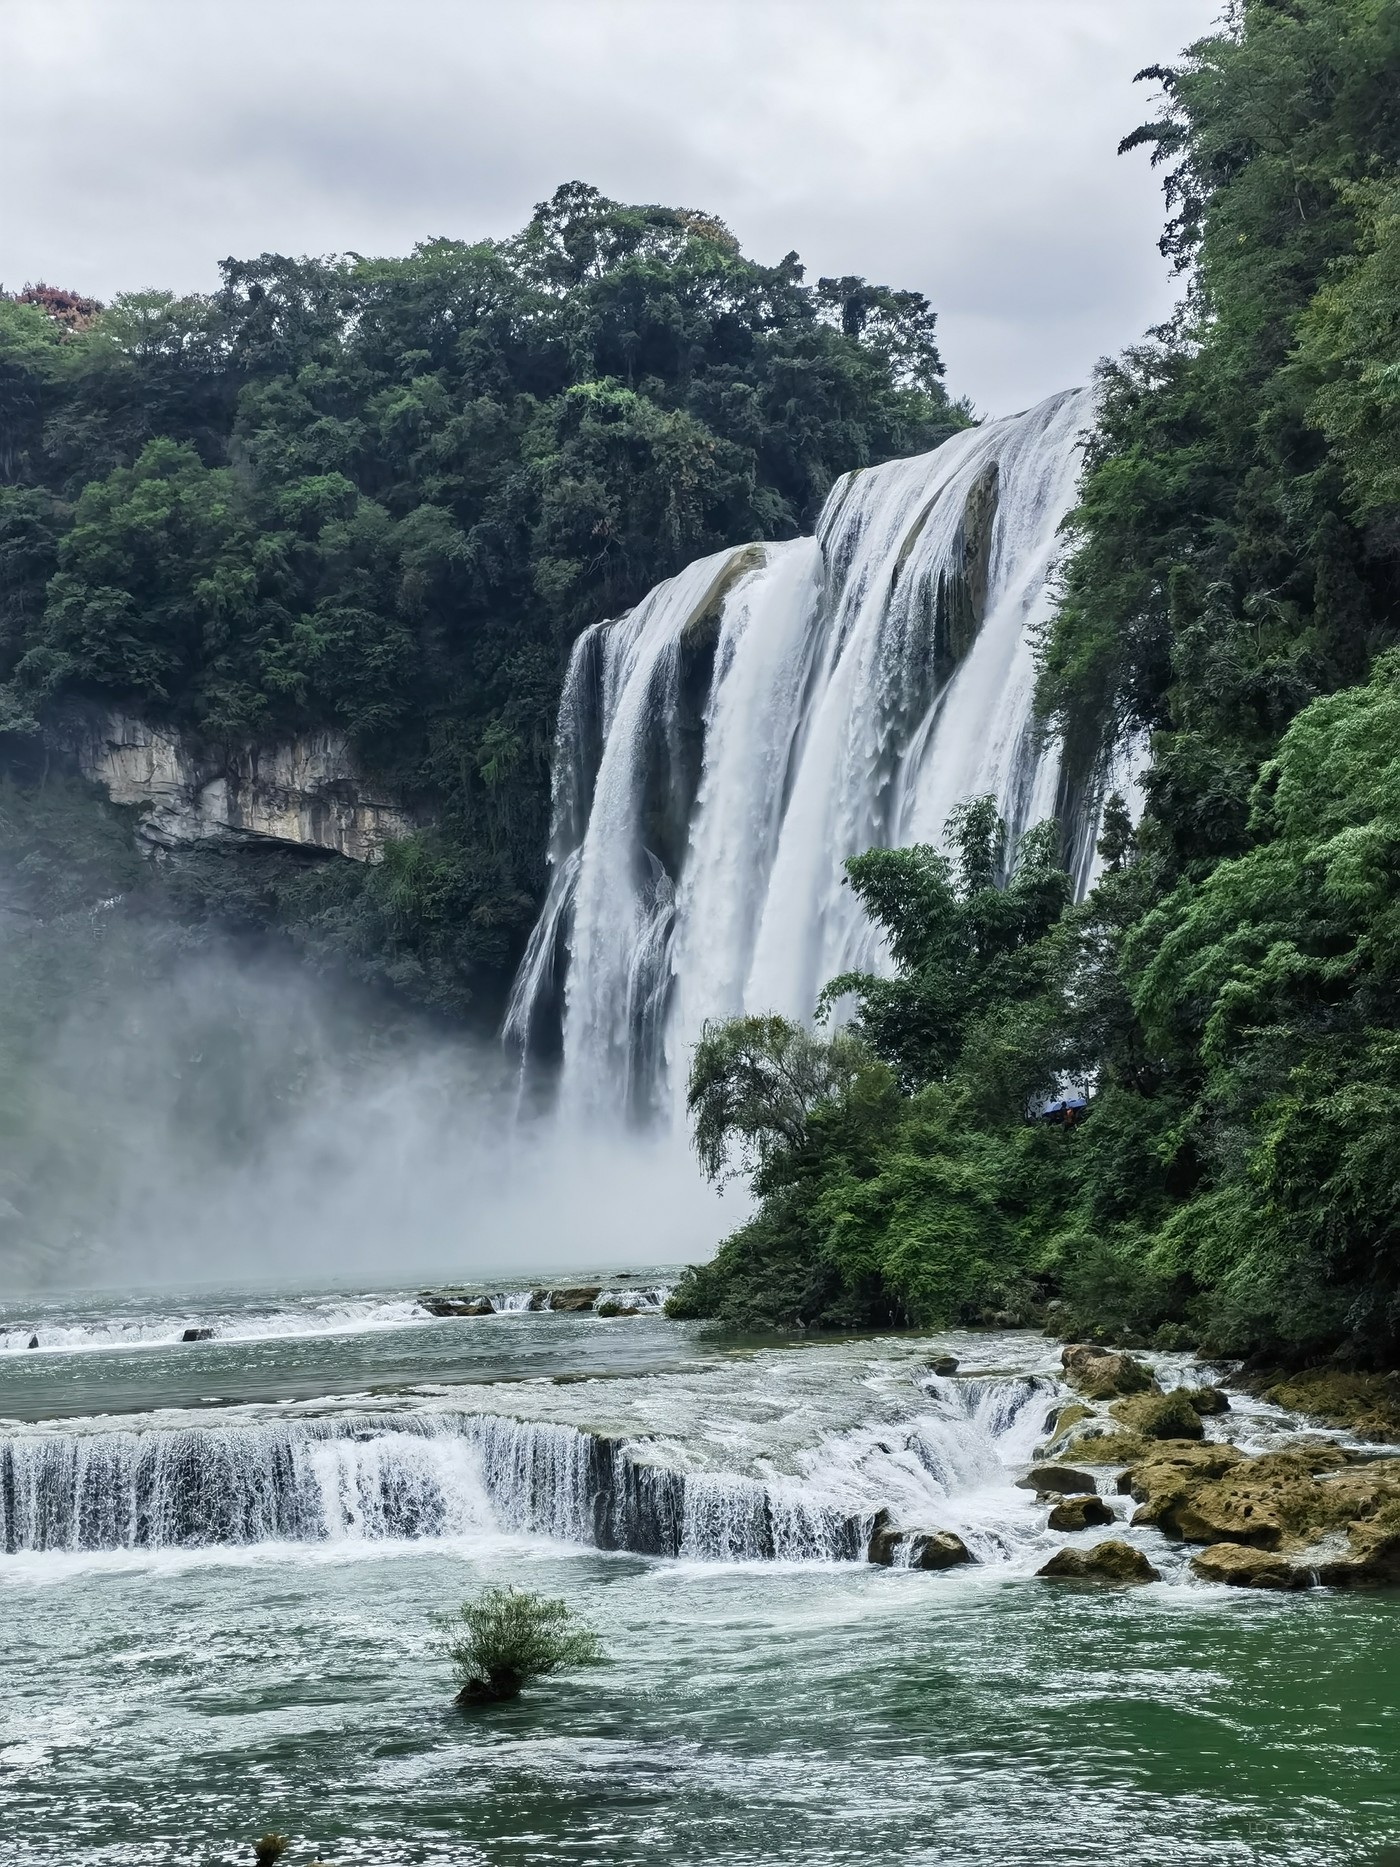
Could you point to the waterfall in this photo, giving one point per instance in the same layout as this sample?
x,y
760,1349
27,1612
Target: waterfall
x,y
724,746
370,1476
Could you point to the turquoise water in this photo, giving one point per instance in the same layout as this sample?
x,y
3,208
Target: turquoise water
x,y
165,1705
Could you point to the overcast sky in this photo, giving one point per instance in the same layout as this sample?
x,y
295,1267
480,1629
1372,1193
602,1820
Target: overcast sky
x,y
963,148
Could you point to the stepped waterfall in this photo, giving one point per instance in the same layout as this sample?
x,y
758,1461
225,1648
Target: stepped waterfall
x,y
368,1477
772,710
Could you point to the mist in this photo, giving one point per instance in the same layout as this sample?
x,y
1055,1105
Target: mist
x,y
230,1118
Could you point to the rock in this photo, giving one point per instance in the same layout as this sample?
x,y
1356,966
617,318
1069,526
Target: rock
x,y
1105,1562
1160,1416
1168,1473
1208,1399
1369,1404
924,1549
198,1335
943,1364
883,1540
1081,1513
575,1297
438,1304
937,1549
539,1300
611,1308
1104,1374
1062,1418
34,1341
1240,1567
311,791
1051,1478
1374,1558
1262,1501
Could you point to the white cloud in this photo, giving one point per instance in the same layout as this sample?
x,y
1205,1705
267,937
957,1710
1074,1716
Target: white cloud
x,y
964,148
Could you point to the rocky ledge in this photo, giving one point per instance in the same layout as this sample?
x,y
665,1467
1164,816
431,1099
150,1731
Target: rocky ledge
x,y
566,1299
309,792
1309,1513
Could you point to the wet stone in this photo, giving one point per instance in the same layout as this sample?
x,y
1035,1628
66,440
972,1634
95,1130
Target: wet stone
x,y
1111,1561
1081,1513
1049,1479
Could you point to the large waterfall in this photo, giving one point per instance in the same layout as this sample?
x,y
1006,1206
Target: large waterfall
x,y
724,746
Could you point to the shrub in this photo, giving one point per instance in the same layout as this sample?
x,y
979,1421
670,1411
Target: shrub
x,y
268,1849
504,1637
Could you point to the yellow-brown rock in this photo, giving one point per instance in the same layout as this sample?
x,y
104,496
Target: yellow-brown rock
x,y
1104,1374
1240,1567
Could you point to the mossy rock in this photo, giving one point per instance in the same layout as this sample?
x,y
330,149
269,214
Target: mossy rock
x,y
1169,1473
1080,1513
1208,1400
1062,1419
1110,1448
1239,1567
1112,1561
1368,1404
1290,1497
1105,1374
1160,1416
1047,1480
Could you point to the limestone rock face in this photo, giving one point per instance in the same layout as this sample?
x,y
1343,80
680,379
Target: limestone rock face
x,y
1080,1513
1111,1561
1104,1374
309,792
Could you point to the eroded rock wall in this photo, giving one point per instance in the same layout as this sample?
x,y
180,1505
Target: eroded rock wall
x,y
309,792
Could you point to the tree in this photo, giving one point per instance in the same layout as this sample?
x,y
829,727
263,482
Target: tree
x,y
504,1637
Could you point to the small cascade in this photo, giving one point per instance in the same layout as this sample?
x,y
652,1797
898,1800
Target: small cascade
x,y
770,711
365,1476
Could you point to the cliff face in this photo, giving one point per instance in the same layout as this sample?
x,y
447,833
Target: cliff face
x,y
308,791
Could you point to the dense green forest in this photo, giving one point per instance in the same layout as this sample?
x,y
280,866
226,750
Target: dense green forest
x,y
384,495
1231,988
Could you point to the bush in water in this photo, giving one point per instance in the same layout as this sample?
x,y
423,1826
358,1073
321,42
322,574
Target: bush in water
x,y
504,1637
268,1849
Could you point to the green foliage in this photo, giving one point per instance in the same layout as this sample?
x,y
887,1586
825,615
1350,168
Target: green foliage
x,y
503,1638
894,1185
384,496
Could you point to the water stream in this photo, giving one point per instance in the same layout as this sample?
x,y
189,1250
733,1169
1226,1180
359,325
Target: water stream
x,y
218,1618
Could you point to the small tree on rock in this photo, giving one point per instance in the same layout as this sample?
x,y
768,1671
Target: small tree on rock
x,y
504,1637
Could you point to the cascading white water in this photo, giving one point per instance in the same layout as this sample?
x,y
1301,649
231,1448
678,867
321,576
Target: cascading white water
x,y
364,1476
769,712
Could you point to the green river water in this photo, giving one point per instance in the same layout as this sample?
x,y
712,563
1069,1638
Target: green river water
x,y
165,1704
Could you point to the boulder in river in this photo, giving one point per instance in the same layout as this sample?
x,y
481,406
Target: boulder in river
x,y
1168,1473
943,1364
198,1335
1160,1416
915,1549
574,1298
1241,1567
1110,1561
442,1303
1048,1479
1104,1374
1208,1399
1081,1513
34,1341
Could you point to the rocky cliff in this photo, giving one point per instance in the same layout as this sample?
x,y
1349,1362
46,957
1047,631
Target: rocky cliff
x,y
308,791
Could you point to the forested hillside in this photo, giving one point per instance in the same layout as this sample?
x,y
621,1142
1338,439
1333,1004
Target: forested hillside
x,y
384,496
1230,992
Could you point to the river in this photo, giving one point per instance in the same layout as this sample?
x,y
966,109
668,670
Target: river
x,y
223,1560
